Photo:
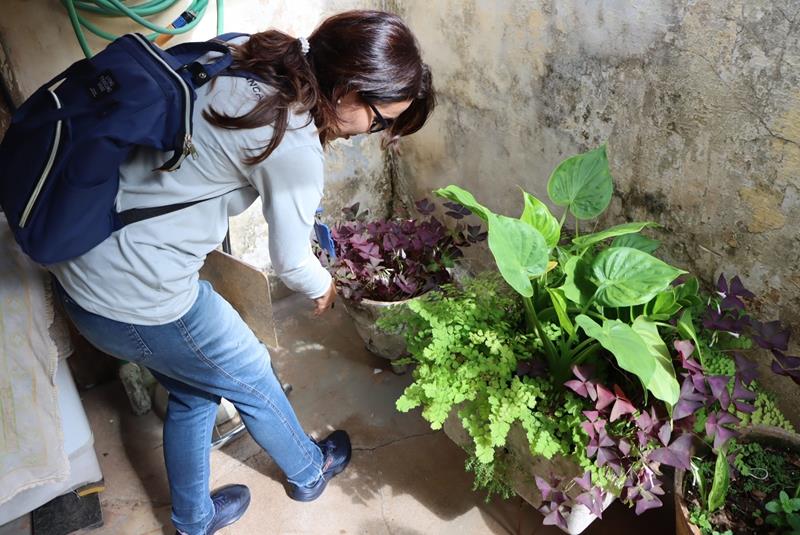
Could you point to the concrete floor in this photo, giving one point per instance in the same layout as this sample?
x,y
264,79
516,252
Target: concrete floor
x,y
404,479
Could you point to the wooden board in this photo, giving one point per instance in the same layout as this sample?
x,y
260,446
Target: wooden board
x,y
246,288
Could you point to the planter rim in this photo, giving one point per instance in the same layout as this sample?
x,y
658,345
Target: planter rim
x,y
752,432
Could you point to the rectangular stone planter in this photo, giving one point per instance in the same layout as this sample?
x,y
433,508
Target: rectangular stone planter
x,y
527,466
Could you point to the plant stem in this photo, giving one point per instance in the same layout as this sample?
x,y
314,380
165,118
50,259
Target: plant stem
x,y
586,353
550,350
580,347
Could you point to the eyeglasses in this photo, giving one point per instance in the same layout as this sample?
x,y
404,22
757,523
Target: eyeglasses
x,y
379,123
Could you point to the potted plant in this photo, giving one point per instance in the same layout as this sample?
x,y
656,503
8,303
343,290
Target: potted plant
x,y
384,263
748,479
561,375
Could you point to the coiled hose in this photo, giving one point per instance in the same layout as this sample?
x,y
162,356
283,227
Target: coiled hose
x,y
117,8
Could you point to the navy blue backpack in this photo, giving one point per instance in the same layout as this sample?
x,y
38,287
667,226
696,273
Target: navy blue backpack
x,y
60,158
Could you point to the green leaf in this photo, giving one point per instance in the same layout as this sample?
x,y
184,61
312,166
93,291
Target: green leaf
x,y
637,241
773,506
686,329
663,306
578,286
519,251
539,217
639,352
618,230
560,306
687,294
627,277
465,198
583,184
719,485
663,383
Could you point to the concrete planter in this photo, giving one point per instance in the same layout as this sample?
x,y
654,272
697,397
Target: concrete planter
x,y
528,466
365,313
762,434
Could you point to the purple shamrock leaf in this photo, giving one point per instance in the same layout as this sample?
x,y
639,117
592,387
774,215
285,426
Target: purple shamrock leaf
x,y
647,501
786,365
555,518
622,405
771,335
689,402
582,386
605,397
730,295
719,389
593,500
684,347
425,206
585,481
546,488
745,368
677,454
456,211
716,427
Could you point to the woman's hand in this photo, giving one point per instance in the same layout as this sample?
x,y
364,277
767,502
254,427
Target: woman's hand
x,y
326,301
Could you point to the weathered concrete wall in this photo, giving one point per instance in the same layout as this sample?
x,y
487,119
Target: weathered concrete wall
x,y
40,42
699,103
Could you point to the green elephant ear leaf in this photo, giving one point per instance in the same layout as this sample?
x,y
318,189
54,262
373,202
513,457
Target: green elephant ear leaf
x,y
583,184
638,350
519,250
663,383
578,286
537,215
618,230
628,277
637,241
464,198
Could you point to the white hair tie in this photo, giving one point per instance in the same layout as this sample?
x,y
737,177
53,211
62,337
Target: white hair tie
x,y
304,46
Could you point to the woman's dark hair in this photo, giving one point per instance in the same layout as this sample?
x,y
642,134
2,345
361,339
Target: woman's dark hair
x,y
370,52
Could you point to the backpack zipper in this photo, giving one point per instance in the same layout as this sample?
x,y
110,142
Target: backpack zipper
x,y
188,147
50,160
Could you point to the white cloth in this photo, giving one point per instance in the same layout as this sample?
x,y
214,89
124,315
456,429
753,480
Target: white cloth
x,y
31,436
147,272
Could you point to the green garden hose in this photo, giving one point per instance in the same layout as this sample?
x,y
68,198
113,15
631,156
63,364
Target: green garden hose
x,y
117,8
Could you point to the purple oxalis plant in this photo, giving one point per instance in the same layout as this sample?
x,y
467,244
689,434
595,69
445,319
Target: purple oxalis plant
x,y
729,315
395,259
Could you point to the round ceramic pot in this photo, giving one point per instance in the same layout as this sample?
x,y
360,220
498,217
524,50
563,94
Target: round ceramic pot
x,y
389,345
762,434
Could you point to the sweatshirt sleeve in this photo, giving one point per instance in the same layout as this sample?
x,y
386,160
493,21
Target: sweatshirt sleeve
x,y
291,185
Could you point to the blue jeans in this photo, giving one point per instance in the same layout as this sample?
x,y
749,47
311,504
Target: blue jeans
x,y
207,354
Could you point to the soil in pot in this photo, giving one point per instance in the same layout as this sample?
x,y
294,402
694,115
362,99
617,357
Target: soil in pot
x,y
763,470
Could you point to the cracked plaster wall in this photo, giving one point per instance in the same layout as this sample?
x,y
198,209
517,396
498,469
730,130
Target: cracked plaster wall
x,y
699,103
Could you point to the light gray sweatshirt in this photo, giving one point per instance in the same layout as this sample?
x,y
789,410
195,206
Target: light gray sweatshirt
x,y
147,272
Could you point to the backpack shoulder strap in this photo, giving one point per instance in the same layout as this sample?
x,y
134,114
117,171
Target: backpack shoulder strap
x,y
132,215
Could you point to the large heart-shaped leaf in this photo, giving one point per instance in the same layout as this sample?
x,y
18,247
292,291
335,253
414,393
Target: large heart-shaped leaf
x,y
538,215
627,277
583,184
637,241
578,286
663,383
519,250
638,352
465,198
618,230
